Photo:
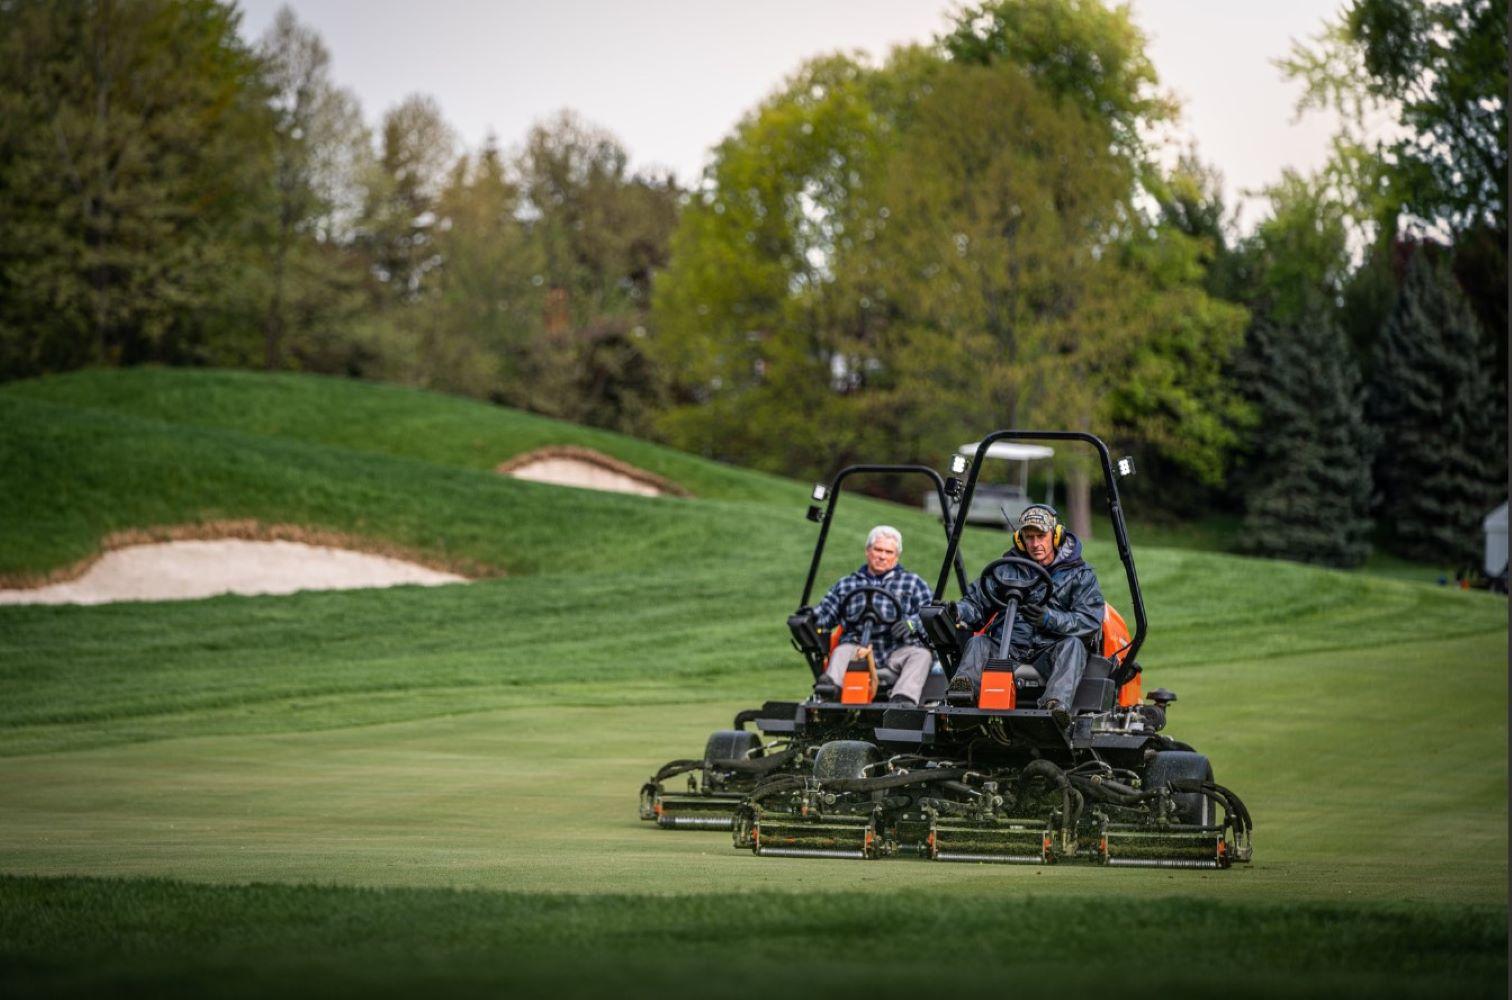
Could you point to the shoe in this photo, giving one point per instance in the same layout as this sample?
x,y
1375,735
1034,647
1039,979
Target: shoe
x,y
902,701
961,692
826,690
1058,714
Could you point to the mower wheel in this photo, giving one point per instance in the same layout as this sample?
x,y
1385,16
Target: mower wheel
x,y
732,744
1168,765
844,759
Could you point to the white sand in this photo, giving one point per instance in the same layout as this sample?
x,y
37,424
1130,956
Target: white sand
x,y
174,571
583,475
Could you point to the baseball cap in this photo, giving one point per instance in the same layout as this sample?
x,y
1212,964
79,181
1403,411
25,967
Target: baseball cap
x,y
1038,517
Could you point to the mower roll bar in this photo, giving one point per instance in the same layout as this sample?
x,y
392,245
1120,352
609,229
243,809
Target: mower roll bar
x,y
829,515
1115,513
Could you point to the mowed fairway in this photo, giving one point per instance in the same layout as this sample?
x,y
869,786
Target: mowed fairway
x,y
389,791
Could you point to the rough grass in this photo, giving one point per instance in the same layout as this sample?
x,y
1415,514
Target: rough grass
x,y
80,937
490,737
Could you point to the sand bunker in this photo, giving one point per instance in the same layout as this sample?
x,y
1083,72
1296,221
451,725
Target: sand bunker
x,y
182,570
570,465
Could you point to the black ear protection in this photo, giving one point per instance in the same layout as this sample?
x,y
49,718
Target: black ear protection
x,y
1058,533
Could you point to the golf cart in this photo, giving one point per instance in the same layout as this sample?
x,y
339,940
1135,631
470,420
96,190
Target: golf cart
x,y
999,503
996,781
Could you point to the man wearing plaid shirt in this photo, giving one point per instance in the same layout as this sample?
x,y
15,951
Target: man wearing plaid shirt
x,y
898,650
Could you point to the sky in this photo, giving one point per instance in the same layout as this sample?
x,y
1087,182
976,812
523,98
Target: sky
x,y
670,78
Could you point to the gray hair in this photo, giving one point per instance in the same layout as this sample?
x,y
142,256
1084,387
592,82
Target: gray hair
x,y
885,531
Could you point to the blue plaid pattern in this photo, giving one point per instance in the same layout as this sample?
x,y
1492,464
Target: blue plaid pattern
x,y
909,588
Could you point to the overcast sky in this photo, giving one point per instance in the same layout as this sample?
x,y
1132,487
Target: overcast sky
x,y
670,78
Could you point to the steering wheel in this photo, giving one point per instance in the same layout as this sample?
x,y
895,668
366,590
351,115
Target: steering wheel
x,y
869,605
1015,578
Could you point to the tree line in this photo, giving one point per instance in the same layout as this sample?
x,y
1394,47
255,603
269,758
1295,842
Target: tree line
x,y
880,257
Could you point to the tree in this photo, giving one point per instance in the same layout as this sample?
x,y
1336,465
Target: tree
x,y
600,232
482,308
130,135
320,148
1438,72
416,150
1310,494
1442,463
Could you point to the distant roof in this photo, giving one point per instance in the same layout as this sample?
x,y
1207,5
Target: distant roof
x,y
1010,450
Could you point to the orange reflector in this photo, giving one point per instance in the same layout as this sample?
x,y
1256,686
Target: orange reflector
x,y
998,690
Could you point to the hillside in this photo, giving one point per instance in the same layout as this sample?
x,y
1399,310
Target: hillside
x,y
491,736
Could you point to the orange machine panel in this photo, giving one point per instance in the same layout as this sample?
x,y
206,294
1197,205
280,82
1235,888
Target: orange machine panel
x,y
860,681
998,690
1115,641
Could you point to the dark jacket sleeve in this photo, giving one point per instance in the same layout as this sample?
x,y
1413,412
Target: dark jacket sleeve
x,y
973,605
1078,607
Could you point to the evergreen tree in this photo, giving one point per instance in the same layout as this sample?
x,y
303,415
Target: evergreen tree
x,y
130,134
1310,500
1442,461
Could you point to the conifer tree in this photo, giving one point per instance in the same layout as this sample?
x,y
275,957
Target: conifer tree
x,y
1311,497
1442,458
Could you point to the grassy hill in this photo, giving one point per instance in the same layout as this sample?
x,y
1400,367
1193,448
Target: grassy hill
x,y
380,791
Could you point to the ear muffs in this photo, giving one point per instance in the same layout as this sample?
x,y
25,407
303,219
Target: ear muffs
x,y
1056,536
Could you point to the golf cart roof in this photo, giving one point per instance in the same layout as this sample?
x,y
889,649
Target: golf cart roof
x,y
1011,450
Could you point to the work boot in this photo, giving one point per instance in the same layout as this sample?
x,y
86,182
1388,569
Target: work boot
x,y
1058,714
826,690
961,692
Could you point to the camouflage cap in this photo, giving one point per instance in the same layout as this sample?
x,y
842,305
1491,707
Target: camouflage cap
x,y
1040,518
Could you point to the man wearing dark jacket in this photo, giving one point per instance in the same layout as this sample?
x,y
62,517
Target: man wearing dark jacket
x,y
1050,637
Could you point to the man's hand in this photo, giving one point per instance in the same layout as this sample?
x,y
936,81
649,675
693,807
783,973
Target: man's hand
x,y
902,629
1034,614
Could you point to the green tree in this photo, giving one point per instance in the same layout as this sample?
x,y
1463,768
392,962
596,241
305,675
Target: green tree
x,y
397,227
482,307
600,231
1438,73
320,149
1442,463
1310,492
130,136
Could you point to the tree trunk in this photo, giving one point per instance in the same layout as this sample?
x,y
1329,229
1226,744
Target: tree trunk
x,y
1079,502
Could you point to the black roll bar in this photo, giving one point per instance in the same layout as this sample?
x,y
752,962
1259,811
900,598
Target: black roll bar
x,y
1115,513
829,515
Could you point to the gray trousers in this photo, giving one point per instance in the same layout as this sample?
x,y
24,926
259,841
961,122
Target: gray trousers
x,y
907,667
1061,666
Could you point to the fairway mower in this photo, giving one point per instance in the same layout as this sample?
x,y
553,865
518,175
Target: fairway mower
x,y
996,781
736,761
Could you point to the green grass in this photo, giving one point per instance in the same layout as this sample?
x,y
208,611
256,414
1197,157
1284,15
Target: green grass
x,y
395,790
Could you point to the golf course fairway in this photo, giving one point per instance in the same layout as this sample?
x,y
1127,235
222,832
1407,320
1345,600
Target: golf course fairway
x,y
390,791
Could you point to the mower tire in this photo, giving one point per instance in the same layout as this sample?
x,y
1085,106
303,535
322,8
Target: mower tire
x,y
732,744
1168,765
844,759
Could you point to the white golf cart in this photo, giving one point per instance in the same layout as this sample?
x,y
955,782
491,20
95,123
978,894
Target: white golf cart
x,y
998,502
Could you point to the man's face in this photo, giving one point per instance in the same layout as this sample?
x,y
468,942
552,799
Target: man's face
x,y
882,555
1038,544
